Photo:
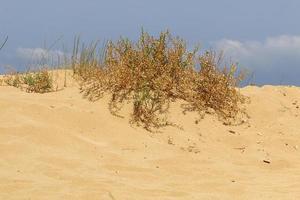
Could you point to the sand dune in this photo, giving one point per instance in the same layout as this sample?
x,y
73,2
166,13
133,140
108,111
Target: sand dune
x,y
61,146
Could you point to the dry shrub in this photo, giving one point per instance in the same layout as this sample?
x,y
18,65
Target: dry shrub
x,y
38,82
13,79
214,88
148,73
153,72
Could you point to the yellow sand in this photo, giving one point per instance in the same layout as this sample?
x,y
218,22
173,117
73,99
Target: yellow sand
x,y
61,146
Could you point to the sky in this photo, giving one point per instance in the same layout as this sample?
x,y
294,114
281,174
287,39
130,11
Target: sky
x,y
263,36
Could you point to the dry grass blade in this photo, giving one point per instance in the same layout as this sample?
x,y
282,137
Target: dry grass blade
x,y
2,45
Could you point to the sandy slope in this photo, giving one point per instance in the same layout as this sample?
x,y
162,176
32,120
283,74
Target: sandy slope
x,y
60,146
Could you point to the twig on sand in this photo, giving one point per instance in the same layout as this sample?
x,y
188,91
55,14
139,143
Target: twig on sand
x,y
111,196
242,149
266,161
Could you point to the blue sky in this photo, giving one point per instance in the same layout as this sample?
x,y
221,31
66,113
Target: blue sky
x,y
263,35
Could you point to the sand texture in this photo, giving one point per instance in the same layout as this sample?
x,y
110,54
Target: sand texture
x,y
61,146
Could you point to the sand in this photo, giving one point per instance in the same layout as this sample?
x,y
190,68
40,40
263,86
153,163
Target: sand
x,y
61,146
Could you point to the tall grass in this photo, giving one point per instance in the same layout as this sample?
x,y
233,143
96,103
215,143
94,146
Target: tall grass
x,y
153,72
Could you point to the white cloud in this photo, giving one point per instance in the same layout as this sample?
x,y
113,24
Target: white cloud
x,y
275,60
40,55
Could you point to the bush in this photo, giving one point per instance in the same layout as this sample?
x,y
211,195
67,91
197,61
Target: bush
x,y
38,82
13,80
153,72
214,88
